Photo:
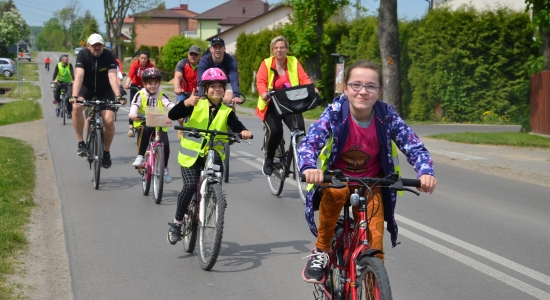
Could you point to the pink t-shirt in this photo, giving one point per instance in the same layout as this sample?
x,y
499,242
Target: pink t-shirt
x,y
361,154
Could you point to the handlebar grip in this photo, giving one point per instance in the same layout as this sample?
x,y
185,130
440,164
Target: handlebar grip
x,y
326,178
410,182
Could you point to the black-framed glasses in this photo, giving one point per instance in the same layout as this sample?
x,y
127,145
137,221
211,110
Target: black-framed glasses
x,y
357,87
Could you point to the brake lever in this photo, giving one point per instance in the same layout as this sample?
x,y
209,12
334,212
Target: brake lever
x,y
400,187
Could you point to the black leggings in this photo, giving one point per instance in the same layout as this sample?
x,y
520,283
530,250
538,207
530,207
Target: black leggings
x,y
68,92
275,129
145,133
190,178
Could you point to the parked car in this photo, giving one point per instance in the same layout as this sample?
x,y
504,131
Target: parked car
x,y
7,66
76,50
26,55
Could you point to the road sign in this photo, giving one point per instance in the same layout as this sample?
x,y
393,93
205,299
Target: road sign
x,y
81,43
108,45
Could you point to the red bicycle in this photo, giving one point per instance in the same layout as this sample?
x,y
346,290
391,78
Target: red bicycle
x,y
353,271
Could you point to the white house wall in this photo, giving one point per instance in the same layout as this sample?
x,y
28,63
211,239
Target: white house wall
x,y
483,4
273,19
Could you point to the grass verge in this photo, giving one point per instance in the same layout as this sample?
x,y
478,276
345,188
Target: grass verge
x,y
20,111
30,73
496,138
17,180
29,91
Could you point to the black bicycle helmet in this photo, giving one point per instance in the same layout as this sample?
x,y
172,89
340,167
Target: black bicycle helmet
x,y
151,73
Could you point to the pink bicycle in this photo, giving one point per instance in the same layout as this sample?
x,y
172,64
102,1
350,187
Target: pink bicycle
x,y
153,165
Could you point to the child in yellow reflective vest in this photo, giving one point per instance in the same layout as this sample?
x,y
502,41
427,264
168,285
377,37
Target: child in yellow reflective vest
x,y
150,96
205,113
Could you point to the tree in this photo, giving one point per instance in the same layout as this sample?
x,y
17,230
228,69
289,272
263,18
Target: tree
x,y
541,18
388,36
13,27
115,12
92,28
6,6
48,39
307,30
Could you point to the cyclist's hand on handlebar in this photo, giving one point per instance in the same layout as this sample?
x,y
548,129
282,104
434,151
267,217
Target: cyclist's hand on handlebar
x,y
264,96
427,183
133,116
120,100
314,176
246,134
126,86
73,99
237,100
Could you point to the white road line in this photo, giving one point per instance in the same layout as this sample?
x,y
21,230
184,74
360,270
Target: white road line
x,y
509,280
254,157
477,250
456,154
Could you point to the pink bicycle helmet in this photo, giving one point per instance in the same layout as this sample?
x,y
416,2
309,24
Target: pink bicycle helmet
x,y
213,75
151,73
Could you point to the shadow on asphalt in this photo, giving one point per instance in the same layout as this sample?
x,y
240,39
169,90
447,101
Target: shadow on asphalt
x,y
236,258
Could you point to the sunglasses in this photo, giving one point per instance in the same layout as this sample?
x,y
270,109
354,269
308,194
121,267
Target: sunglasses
x,y
193,54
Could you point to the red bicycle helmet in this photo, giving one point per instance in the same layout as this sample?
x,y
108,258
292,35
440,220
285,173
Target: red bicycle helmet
x,y
151,73
213,75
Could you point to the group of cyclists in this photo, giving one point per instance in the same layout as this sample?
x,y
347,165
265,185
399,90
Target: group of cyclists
x,y
357,133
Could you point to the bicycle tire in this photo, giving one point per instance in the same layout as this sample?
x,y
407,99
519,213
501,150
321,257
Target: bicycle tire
x,y
227,151
190,230
98,156
211,230
302,186
373,275
276,180
116,110
63,108
158,176
89,147
146,176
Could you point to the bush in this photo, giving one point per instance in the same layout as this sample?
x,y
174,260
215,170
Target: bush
x,y
146,49
174,51
154,52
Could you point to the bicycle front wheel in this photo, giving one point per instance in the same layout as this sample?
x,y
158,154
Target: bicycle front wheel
x,y
97,157
276,180
211,228
226,163
373,280
158,174
302,186
190,229
63,109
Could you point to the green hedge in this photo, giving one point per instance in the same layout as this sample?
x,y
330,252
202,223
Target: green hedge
x,y
174,51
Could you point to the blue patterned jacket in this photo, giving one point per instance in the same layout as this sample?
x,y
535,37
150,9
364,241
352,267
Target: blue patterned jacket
x,y
389,126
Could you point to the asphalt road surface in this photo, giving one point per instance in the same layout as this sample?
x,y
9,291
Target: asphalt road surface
x,y
476,237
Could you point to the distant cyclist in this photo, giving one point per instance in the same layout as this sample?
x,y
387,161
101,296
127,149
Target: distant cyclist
x,y
95,76
64,73
218,58
186,77
150,96
47,61
134,77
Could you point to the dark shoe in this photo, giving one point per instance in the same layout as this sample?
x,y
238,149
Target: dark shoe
x,y
268,166
81,149
69,116
314,271
174,233
106,159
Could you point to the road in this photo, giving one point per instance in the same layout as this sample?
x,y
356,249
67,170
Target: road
x,y
477,237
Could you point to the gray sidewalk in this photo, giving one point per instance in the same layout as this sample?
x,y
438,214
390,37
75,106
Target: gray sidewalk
x,y
531,160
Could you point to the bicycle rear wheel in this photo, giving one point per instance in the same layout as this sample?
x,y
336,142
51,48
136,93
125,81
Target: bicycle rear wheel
x,y
63,108
276,180
302,186
211,229
146,175
373,280
158,174
190,229
97,157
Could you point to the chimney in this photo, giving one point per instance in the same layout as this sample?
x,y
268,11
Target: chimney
x,y
266,6
184,6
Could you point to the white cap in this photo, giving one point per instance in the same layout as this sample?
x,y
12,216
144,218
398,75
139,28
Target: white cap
x,y
95,38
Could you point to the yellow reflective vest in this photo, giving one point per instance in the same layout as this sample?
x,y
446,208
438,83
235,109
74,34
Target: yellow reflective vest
x,y
190,147
292,67
64,73
141,111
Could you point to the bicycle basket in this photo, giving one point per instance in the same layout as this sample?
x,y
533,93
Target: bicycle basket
x,y
296,99
157,117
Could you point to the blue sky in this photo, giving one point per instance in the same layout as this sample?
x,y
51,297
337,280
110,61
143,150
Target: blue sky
x,y
36,12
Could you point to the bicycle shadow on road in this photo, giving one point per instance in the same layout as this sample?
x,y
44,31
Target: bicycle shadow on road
x,y
243,177
236,258
118,183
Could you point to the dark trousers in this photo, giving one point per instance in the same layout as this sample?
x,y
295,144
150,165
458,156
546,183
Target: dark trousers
x,y
68,92
274,125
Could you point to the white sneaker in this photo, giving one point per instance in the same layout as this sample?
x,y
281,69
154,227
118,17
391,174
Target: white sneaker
x,y
138,162
167,177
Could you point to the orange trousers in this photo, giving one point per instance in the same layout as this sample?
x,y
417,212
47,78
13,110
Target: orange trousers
x,y
332,202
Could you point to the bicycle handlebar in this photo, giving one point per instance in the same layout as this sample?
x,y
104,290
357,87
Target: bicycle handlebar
x,y
97,102
214,132
232,104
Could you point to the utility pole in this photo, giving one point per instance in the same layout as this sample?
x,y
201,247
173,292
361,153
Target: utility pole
x,y
430,4
357,4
